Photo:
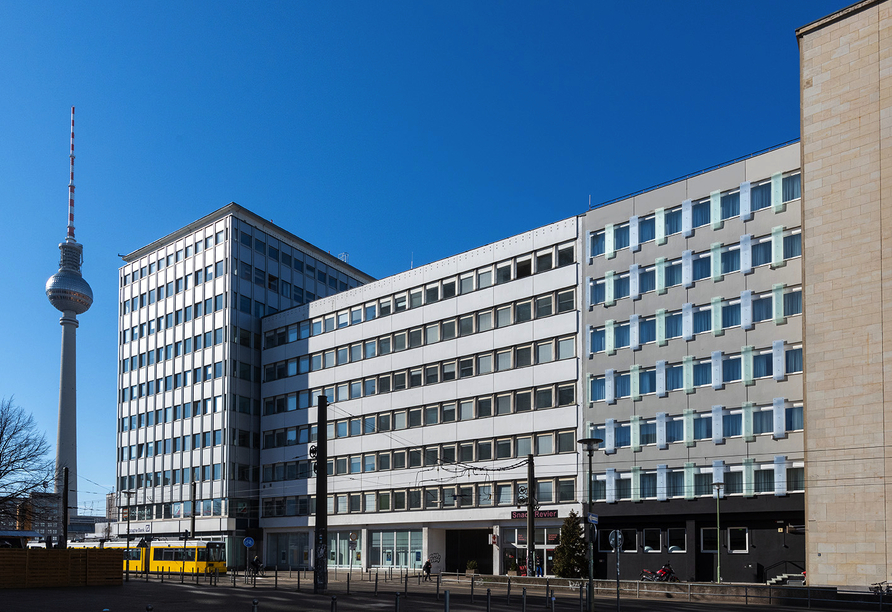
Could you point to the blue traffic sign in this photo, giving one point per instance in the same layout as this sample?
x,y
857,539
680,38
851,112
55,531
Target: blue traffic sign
x,y
249,542
592,518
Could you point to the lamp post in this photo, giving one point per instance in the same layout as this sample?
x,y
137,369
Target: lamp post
x,y
718,531
127,550
590,445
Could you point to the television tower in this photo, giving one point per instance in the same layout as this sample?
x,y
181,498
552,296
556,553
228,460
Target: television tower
x,y
69,293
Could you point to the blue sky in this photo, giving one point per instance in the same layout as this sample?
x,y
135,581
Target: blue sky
x,y
394,131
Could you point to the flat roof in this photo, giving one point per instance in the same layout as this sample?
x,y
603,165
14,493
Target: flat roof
x,y
233,208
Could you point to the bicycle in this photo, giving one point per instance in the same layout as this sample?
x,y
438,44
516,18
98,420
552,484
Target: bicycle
x,y
257,571
881,588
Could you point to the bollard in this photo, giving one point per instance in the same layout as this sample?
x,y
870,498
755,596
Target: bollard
x,y
509,590
446,601
348,584
276,578
376,584
149,608
472,589
396,605
254,606
581,606
524,608
162,576
182,575
334,603
298,581
406,586
552,600
488,600
438,587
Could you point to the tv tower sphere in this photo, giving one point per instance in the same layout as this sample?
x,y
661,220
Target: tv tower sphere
x,y
66,289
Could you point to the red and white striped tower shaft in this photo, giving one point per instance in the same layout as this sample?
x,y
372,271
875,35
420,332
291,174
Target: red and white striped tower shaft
x,y
71,184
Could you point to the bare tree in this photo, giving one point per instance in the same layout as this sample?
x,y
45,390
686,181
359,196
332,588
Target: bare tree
x,y
24,465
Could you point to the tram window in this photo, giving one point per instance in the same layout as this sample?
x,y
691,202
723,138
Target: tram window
x,y
202,555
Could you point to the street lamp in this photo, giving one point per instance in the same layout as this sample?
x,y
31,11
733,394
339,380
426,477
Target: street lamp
x,y
127,550
590,445
718,531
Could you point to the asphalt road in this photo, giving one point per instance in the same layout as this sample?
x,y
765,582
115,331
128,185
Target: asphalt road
x,y
136,595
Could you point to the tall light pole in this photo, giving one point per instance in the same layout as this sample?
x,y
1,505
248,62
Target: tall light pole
x,y
127,550
718,531
590,445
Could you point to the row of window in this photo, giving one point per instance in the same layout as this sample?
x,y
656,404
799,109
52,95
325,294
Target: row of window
x,y
689,215
538,307
173,287
748,479
198,473
521,266
548,491
716,371
147,512
689,268
173,381
652,540
177,349
187,442
747,422
177,317
311,268
500,360
697,319
163,260
524,400
507,447
172,413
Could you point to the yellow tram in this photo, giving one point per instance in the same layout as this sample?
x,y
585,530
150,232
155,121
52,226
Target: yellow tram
x,y
191,556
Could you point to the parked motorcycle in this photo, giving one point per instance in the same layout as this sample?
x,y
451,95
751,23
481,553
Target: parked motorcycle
x,y
664,574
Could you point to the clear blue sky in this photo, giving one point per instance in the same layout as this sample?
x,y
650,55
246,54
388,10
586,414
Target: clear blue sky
x,y
389,130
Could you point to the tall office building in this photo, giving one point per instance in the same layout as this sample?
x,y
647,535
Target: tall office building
x,y
189,368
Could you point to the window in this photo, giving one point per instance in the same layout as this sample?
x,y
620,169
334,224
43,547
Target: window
x,y
676,539
673,221
651,538
702,267
793,303
709,540
597,243
760,196
794,360
730,205
700,212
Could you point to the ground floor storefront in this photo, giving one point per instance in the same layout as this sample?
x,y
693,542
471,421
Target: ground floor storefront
x,y
495,548
757,538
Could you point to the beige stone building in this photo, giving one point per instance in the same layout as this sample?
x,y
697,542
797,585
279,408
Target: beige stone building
x,y
846,200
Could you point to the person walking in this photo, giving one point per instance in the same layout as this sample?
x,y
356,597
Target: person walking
x,y
427,570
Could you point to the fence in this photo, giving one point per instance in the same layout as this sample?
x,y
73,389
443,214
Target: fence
x,y
483,591
40,567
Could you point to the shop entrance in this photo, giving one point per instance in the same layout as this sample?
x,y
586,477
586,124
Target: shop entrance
x,y
463,545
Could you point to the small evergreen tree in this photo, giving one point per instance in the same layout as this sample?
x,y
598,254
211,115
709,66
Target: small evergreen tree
x,y
569,556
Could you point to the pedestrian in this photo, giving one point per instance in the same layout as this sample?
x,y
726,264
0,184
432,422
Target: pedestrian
x,y
427,570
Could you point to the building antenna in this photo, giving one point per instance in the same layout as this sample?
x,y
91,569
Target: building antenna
x,y
70,236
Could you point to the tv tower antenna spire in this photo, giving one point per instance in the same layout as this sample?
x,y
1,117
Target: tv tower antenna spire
x,y
71,184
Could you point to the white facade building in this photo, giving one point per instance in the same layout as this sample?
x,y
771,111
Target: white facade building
x,y
189,368
442,380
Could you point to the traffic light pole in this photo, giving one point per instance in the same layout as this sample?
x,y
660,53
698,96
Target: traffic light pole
x,y
320,565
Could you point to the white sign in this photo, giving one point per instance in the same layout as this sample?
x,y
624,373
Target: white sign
x,y
144,528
